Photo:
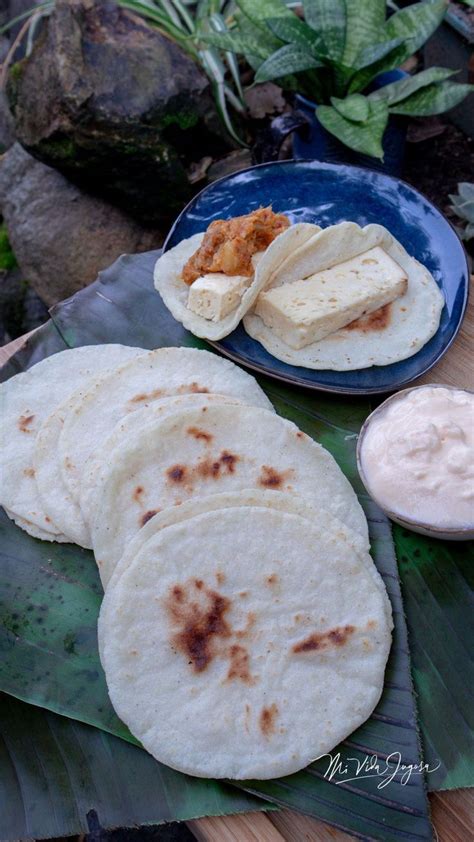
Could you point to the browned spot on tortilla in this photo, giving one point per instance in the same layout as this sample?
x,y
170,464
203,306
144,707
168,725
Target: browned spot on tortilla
x,y
138,493
248,626
198,615
207,468
24,423
371,624
243,594
148,516
68,464
267,720
239,668
229,461
199,434
298,618
177,473
403,309
271,478
272,580
204,409
324,640
193,388
147,396
299,434
29,472
378,320
47,519
220,576
247,717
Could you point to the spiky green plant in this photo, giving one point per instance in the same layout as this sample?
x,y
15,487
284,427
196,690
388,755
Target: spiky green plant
x,y
188,25
463,207
333,55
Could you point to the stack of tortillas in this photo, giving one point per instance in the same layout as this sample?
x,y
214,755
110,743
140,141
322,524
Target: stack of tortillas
x,y
245,629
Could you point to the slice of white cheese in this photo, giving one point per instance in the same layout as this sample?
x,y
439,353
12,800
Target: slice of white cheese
x,y
215,295
305,311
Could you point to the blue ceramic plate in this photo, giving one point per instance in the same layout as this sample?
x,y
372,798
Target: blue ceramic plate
x,y
311,191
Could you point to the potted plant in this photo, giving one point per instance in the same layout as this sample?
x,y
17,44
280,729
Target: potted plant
x,y
341,60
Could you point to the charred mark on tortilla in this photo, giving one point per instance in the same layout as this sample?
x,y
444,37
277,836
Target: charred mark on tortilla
x,y
378,320
197,433
148,516
239,668
267,719
271,478
324,640
177,473
138,493
24,423
210,468
272,580
198,612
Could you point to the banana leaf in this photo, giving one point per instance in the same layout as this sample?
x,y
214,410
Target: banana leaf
x,y
122,306
59,777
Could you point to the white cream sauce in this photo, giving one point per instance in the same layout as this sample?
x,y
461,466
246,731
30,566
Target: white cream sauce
x,y
418,457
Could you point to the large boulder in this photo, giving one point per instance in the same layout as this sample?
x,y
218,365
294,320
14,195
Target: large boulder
x,y
62,237
116,106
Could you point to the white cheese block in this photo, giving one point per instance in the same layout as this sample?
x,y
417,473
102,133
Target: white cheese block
x,y
306,311
215,295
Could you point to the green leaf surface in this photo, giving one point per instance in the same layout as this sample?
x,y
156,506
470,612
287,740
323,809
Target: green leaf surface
x,y
376,52
437,583
54,771
328,18
258,12
355,107
397,91
435,99
123,305
416,23
363,137
295,31
287,60
364,27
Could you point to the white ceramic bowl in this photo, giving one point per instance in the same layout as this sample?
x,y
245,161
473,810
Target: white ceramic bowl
x,y
455,534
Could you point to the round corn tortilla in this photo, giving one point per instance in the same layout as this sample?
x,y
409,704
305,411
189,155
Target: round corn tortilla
x,y
244,643
27,399
156,375
277,500
174,291
411,320
196,452
98,464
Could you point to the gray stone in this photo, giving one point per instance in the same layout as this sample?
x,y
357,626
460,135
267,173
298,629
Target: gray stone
x,y
116,106
62,237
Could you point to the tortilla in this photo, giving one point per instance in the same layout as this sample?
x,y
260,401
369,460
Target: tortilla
x,y
196,452
393,333
27,399
277,500
154,376
174,291
244,643
99,462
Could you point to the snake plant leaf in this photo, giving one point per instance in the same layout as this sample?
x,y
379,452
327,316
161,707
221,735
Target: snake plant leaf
x,y
259,12
355,107
55,771
287,60
376,52
362,78
364,137
295,31
364,26
435,99
328,17
397,91
416,23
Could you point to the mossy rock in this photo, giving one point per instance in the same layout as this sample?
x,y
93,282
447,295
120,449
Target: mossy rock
x,y
116,106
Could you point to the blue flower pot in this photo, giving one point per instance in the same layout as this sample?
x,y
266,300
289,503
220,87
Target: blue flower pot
x,y
311,140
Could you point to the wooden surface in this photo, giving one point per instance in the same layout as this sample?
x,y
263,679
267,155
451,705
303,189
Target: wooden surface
x,y
453,811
